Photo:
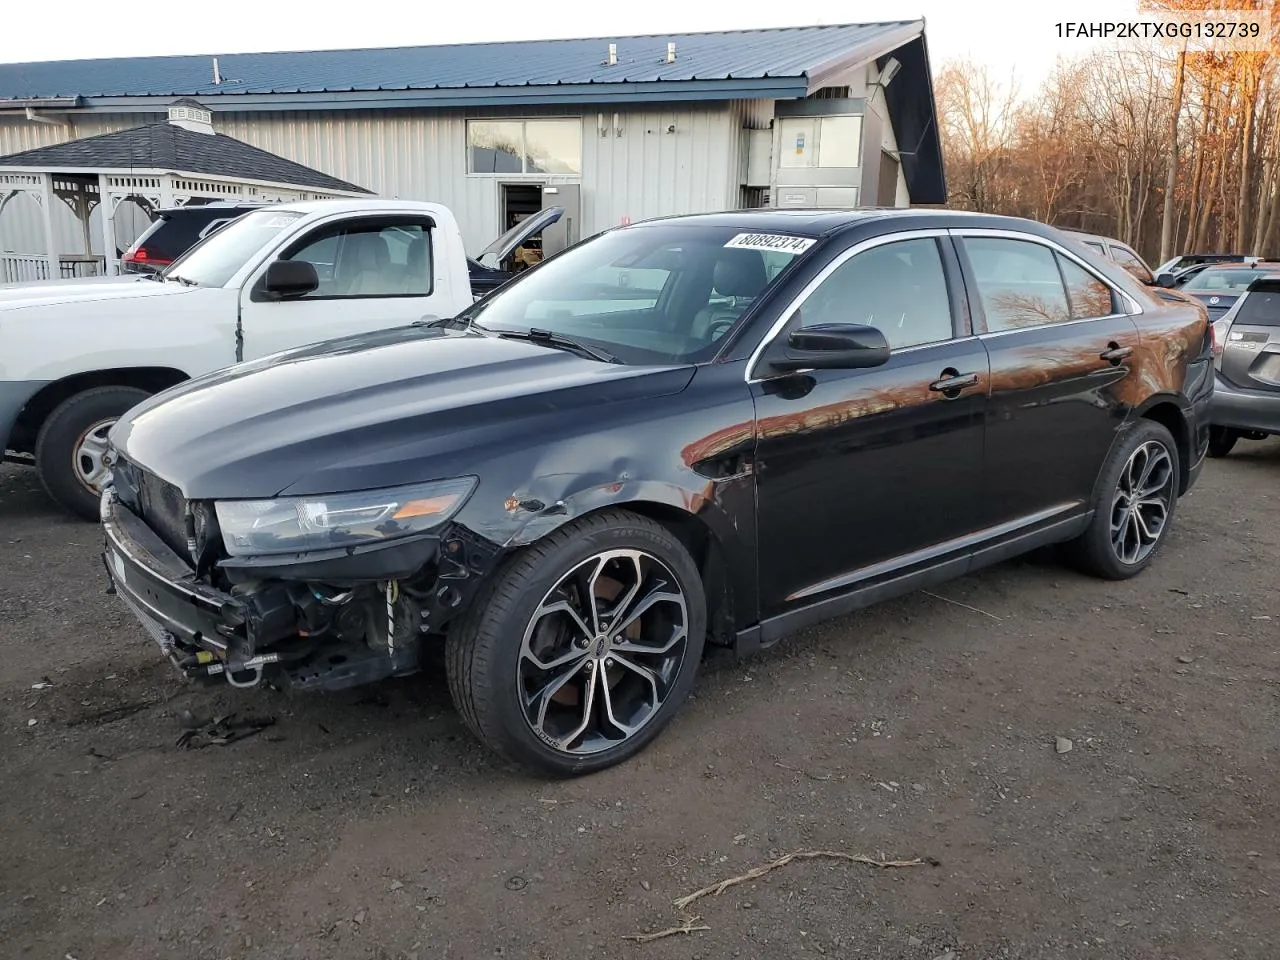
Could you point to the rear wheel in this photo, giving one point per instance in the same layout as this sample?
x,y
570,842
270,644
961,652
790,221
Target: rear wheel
x,y
583,647
72,443
1136,499
1221,440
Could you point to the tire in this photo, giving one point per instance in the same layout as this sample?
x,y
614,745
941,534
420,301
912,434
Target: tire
x,y
1095,551
1221,440
66,431
489,651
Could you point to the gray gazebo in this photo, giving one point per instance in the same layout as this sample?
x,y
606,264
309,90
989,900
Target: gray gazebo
x,y
158,165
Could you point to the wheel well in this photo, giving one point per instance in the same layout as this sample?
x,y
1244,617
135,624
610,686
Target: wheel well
x,y
708,554
1170,417
46,400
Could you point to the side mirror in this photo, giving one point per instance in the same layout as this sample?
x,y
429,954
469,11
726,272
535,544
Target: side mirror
x,y
1165,280
290,278
832,346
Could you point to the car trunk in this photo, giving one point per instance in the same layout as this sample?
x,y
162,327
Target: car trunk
x,y
1251,347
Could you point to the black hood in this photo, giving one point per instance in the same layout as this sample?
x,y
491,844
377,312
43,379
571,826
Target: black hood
x,y
397,406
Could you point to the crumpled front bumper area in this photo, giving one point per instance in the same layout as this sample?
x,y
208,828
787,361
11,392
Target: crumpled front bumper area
x,y
259,629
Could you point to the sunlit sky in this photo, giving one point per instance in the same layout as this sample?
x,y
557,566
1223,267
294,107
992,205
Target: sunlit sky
x,y
1024,42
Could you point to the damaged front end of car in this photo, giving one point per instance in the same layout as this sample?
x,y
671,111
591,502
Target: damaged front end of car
x,y
307,593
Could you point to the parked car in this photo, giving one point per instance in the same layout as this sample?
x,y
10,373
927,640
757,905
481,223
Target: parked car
x,y
1187,260
1246,396
1119,252
176,230
79,353
575,486
1218,286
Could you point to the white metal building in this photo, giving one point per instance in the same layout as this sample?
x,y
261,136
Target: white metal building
x,y
614,129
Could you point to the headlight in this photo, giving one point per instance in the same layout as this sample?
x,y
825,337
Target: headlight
x,y
322,522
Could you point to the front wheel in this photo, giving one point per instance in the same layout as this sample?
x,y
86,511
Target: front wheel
x,y
1221,440
72,443
1134,506
583,647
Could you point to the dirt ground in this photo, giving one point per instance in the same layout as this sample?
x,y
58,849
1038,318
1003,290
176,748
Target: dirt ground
x,y
369,824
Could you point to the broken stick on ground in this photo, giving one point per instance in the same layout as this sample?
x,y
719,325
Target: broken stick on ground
x,y
755,873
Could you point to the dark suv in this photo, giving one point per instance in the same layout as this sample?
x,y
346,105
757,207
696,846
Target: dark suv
x,y
175,231
700,430
1246,400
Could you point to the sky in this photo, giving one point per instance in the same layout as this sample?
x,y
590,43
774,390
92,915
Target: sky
x,y
1020,40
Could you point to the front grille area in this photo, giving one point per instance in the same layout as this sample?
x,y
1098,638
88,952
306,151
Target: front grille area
x,y
159,503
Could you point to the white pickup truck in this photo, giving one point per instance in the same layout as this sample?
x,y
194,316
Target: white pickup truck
x,y
76,354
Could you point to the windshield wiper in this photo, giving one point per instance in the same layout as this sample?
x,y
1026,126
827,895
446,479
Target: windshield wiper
x,y
182,280
559,340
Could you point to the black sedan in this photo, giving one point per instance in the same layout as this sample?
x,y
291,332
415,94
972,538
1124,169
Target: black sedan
x,y
700,430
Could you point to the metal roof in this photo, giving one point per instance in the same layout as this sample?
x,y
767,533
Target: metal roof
x,y
797,54
164,146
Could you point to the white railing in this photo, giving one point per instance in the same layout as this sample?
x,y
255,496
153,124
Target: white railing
x,y
25,268
17,268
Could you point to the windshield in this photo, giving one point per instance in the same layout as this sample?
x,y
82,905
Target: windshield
x,y
215,260
652,294
1229,281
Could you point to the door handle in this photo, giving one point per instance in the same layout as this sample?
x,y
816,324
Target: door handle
x,y
1115,353
953,382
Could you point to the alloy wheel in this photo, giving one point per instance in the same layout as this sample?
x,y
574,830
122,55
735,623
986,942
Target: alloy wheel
x,y
89,455
602,652
1140,505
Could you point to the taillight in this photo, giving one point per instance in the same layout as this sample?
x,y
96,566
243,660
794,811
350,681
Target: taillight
x,y
140,255
1218,335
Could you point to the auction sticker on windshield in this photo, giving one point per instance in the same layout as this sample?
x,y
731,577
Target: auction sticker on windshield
x,y
770,241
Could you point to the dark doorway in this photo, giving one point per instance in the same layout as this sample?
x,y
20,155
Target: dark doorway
x,y
519,200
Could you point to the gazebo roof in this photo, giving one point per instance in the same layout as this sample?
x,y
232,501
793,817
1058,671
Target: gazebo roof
x,y
168,147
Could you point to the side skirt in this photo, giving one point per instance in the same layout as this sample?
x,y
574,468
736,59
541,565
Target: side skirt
x,y
769,632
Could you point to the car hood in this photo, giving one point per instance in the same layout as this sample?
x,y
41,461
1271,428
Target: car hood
x,y
46,293
392,407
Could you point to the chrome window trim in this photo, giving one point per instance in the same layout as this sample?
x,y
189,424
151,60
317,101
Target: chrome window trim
x,y
843,257
1133,308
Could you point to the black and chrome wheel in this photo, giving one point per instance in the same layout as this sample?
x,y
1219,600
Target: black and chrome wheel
x,y
583,647
1135,502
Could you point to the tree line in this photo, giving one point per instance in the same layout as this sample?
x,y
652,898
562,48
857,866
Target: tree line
x,y
1171,150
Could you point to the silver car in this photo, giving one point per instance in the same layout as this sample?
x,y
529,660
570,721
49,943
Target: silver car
x,y
1246,393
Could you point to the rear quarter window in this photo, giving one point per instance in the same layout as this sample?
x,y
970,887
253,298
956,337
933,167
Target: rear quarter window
x,y
1260,308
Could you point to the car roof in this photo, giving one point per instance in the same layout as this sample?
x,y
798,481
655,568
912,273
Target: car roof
x,y
820,221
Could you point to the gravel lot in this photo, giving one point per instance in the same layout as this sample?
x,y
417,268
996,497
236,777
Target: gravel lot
x,y
370,825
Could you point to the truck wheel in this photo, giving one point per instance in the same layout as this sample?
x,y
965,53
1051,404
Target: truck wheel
x,y
1221,440
582,647
1136,499
72,442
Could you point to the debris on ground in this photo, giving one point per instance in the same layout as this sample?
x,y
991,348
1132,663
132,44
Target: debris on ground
x,y
1063,745
715,889
687,924
223,730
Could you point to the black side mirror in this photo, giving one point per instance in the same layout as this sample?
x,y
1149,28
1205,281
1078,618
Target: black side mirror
x,y
1165,280
290,278
832,346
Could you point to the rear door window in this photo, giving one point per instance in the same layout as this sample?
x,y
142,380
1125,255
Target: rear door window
x,y
1018,282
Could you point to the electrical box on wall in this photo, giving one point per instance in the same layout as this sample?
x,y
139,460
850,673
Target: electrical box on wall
x,y
758,162
817,156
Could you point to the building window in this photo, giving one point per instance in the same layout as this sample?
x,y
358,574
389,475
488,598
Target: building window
x,y
525,147
821,142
